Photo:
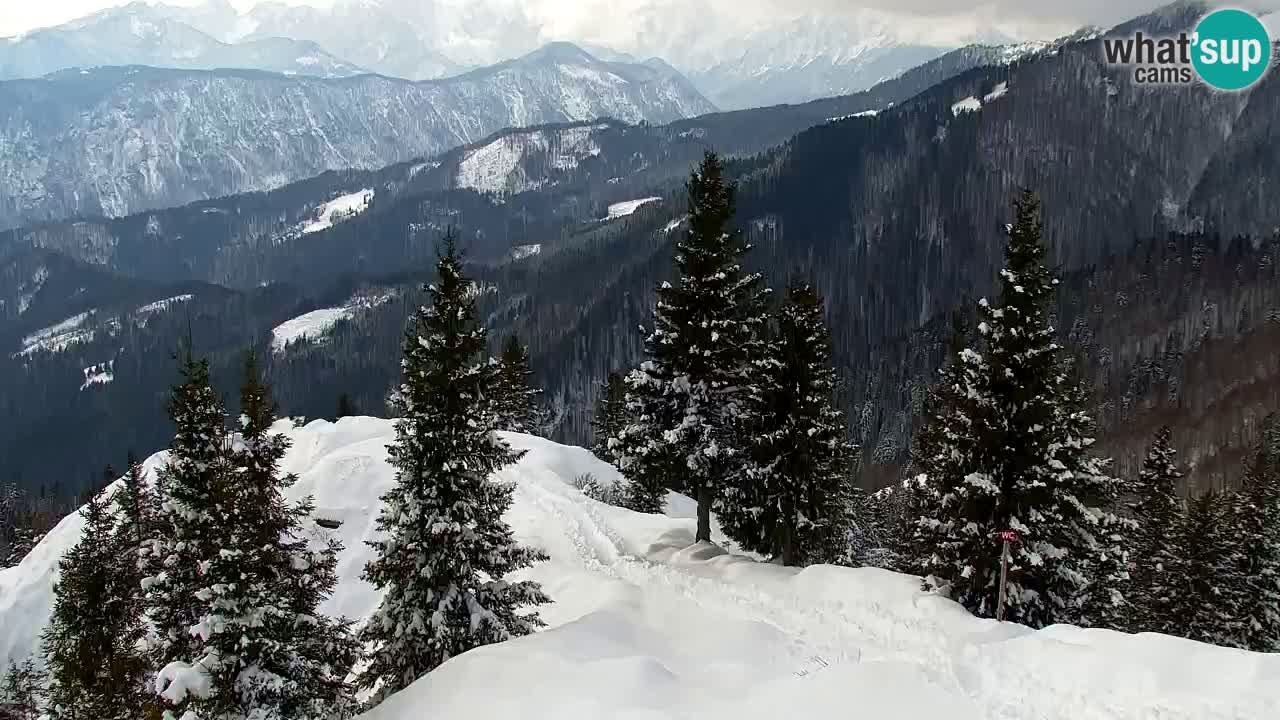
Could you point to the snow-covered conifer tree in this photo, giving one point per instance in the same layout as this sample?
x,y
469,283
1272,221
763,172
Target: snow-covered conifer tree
x,y
1157,555
445,550
1202,605
91,642
1012,453
793,497
684,400
610,416
263,650
1255,525
513,397
186,535
21,691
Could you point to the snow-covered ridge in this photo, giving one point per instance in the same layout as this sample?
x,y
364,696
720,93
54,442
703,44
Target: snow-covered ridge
x,y
646,624
626,207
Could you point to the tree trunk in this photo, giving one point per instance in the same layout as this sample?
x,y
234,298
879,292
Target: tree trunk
x,y
788,537
704,513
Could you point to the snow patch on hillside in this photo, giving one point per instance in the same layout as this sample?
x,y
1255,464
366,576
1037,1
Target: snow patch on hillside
x,y
161,305
316,324
343,207
307,326
497,167
864,113
647,624
29,289
622,209
99,374
521,252
969,104
999,91
58,337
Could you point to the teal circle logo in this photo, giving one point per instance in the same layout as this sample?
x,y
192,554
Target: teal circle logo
x,y
1230,49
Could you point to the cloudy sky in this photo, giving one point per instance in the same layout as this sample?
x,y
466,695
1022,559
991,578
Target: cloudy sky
x,y
1020,18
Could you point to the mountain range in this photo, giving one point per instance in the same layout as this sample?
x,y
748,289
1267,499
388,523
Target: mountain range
x,y
734,57
142,34
892,200
112,141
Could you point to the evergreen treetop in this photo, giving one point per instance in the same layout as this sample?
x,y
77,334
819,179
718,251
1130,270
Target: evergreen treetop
x,y
1012,453
513,396
795,494
1158,560
90,643
685,399
445,550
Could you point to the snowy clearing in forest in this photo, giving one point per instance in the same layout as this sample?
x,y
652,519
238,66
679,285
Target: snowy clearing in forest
x,y
521,252
999,91
338,209
969,104
58,337
316,324
99,374
626,207
496,167
161,305
646,624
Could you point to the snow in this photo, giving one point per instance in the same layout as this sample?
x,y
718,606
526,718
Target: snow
x,y
99,374
969,104
864,113
674,224
646,624
307,326
998,92
622,209
338,209
521,252
162,305
58,337
316,324
496,167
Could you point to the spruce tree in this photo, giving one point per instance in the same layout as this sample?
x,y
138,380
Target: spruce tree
x,y
685,399
794,497
1012,454
1255,524
1158,562
934,460
186,535
1202,605
446,549
610,416
512,395
90,644
263,647
21,691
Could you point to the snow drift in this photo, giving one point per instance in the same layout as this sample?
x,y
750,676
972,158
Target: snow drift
x,y
646,624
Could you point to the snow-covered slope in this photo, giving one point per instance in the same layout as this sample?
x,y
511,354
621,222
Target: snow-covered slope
x,y
500,164
112,141
647,625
